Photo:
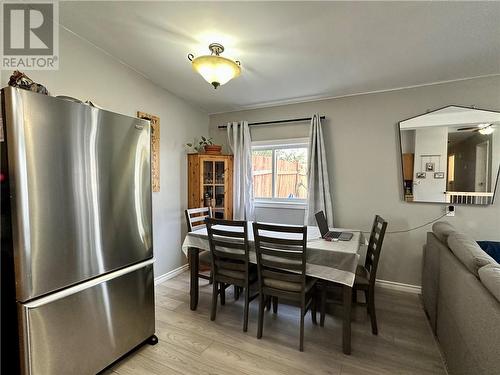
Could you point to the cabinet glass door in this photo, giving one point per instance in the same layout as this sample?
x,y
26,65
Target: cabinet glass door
x,y
208,181
208,172
214,189
219,188
219,172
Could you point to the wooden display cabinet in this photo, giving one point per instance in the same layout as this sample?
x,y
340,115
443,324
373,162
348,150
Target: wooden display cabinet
x,y
408,160
408,167
210,183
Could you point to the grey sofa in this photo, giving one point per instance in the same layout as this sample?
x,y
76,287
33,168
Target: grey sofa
x,y
461,296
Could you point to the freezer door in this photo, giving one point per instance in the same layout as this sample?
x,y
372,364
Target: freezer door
x,y
81,191
82,330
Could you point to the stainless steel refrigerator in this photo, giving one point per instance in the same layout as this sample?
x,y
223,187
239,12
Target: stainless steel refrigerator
x,y
77,244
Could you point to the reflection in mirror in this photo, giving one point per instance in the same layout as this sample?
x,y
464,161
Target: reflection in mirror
x,y
451,155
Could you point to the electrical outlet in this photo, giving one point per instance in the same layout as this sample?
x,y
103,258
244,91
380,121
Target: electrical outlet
x,y
450,210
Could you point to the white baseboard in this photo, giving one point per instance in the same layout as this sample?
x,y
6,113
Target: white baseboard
x,y
408,288
170,274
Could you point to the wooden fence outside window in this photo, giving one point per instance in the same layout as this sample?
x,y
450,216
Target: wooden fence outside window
x,y
291,178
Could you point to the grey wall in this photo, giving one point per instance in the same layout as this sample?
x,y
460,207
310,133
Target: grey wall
x,y
408,141
88,73
365,168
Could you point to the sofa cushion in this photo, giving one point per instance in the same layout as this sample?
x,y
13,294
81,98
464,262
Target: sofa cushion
x,y
490,277
442,230
491,248
468,252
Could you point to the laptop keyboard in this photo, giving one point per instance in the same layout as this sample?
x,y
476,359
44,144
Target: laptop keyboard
x,y
333,235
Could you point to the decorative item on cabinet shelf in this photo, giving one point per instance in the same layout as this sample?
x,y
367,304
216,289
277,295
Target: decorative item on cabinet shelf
x,y
207,201
205,145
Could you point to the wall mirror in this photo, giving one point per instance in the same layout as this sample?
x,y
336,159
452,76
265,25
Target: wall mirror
x,y
451,155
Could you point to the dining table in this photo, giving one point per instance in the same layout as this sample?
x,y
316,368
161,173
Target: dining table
x,y
333,261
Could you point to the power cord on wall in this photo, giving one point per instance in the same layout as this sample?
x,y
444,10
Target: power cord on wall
x,y
411,229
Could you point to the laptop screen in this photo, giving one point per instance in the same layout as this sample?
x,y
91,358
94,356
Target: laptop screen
x,y
322,224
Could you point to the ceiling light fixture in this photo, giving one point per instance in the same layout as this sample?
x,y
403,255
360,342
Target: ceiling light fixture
x,y
215,69
486,130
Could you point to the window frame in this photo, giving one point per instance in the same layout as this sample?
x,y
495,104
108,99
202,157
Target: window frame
x,y
274,145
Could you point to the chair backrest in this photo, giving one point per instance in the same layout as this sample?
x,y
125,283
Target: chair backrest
x,y
375,246
228,241
195,217
280,258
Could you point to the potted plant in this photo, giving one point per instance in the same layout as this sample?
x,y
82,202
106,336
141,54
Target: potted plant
x,y
205,145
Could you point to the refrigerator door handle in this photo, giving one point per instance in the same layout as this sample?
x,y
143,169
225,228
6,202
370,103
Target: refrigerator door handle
x,y
85,285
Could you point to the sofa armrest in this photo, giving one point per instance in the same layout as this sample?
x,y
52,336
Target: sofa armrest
x,y
468,324
430,276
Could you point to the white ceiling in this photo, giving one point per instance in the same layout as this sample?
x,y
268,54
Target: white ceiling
x,y
294,51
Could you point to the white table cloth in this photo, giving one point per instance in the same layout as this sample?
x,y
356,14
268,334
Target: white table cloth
x,y
334,261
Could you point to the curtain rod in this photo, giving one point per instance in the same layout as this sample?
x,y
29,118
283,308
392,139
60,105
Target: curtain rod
x,y
276,121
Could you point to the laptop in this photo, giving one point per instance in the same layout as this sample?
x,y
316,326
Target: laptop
x,y
326,233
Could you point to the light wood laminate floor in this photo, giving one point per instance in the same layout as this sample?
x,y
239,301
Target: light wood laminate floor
x,y
189,343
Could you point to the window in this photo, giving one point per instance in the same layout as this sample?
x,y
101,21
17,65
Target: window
x,y
280,170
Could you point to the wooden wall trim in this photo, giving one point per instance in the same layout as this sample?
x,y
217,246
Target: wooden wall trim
x,y
155,148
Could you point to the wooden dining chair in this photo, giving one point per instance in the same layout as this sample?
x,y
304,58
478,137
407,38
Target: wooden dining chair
x,y
195,219
365,274
230,262
281,267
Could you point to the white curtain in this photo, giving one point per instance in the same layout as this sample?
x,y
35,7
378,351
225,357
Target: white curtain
x,y
238,135
318,198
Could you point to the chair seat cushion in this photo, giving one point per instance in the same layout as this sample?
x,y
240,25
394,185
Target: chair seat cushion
x,y
287,285
362,275
240,275
205,257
